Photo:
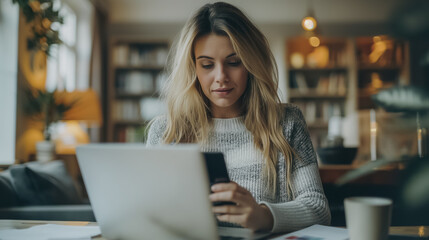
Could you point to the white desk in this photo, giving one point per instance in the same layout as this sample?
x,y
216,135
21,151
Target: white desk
x,y
422,231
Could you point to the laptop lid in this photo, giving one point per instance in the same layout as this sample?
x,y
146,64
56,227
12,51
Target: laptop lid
x,y
140,192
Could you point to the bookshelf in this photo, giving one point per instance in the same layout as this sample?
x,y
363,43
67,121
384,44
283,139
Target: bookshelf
x,y
318,81
339,76
136,75
381,63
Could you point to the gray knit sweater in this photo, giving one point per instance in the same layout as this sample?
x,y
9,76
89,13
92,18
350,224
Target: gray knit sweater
x,y
245,163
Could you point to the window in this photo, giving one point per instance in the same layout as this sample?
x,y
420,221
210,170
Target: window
x,y
69,63
62,62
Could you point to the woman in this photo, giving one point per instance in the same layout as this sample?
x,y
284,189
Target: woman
x,y
222,94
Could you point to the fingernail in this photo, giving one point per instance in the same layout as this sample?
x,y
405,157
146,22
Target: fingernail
x,y
214,188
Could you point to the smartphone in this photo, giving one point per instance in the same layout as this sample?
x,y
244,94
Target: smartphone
x,y
217,171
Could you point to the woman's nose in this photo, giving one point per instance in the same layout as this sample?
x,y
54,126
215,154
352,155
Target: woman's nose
x,y
220,74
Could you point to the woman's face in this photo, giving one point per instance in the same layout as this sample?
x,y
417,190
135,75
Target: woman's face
x,y
221,74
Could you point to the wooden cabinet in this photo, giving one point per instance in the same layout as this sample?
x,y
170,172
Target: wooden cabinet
x,y
390,175
136,75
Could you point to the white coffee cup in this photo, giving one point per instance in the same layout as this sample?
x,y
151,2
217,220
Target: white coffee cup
x,y
368,218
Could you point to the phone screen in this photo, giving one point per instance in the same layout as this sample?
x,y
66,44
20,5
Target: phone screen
x,y
217,171
216,167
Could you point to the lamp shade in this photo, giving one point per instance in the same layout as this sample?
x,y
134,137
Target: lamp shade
x,y
85,106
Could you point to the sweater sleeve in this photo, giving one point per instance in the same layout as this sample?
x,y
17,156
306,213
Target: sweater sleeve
x,y
309,205
156,131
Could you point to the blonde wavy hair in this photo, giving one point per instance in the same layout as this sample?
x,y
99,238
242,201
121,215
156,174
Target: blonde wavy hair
x,y
189,119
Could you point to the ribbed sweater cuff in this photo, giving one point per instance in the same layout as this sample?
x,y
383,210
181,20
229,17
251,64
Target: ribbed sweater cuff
x,y
288,216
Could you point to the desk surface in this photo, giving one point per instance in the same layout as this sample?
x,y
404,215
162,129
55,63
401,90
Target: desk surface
x,y
422,231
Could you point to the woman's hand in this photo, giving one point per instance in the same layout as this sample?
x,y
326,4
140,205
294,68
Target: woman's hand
x,y
247,212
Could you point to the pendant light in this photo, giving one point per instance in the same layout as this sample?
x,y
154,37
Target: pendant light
x,y
309,22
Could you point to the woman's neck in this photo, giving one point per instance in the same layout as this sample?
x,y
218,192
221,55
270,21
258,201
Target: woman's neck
x,y
233,111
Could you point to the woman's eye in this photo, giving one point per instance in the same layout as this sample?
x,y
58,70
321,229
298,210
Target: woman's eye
x,y
234,63
207,66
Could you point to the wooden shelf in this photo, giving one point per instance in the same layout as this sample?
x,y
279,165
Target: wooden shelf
x,y
313,94
378,68
363,92
315,90
350,69
135,95
325,69
129,122
139,67
135,73
137,40
329,174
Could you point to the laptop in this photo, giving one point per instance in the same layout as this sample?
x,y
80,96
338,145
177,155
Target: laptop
x,y
158,192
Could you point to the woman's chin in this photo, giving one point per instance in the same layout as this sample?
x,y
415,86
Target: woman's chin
x,y
223,104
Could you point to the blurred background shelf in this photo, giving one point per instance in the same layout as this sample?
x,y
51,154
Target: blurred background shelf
x,y
338,76
320,69
129,122
313,94
136,77
135,95
140,67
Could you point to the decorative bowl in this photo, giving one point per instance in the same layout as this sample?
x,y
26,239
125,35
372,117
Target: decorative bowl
x,y
337,155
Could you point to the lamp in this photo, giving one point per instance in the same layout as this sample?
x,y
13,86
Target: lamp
x,y
85,107
86,110
309,22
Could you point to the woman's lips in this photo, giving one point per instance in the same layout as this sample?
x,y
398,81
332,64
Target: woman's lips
x,y
222,91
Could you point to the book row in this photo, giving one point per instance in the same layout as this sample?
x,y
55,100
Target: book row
x,y
139,82
137,55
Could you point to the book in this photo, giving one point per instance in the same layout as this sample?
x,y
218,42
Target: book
x,y
310,112
323,85
333,84
301,82
126,110
121,54
342,88
138,82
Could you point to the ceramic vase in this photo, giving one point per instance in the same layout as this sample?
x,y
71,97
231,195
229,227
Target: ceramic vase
x,y
45,151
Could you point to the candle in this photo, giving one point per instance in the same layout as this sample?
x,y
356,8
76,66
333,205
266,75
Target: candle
x,y
419,137
373,132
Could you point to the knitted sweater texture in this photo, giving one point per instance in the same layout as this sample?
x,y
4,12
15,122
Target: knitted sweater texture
x,y
306,206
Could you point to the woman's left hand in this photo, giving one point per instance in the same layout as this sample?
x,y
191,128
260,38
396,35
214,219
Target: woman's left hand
x,y
246,211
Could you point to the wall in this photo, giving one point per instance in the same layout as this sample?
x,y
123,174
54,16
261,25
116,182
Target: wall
x,y
9,14
273,11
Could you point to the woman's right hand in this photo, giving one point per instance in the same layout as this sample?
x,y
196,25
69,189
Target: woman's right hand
x,y
246,211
